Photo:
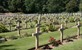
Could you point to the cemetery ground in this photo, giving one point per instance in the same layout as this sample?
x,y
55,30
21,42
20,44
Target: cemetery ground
x,y
77,45
20,30
27,31
29,42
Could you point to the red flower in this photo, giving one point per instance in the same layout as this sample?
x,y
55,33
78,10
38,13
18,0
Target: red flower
x,y
51,39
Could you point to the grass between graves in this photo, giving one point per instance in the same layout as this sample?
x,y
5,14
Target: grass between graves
x,y
77,45
29,42
15,33
28,31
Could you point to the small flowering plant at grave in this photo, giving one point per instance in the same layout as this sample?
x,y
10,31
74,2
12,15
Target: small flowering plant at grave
x,y
54,42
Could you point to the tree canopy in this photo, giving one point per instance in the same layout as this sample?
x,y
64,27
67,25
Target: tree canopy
x,y
40,6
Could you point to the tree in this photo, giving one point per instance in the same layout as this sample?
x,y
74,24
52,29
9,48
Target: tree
x,y
72,6
16,5
3,6
40,6
29,4
11,5
80,5
3,28
55,6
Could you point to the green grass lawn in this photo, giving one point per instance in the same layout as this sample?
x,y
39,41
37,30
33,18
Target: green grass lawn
x,y
28,31
15,33
28,42
77,45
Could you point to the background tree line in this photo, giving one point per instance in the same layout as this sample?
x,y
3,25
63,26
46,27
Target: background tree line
x,y
40,6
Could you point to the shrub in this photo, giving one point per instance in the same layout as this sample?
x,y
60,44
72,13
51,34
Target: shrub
x,y
3,28
71,19
51,27
13,25
77,19
57,27
35,21
32,25
65,27
56,22
44,29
